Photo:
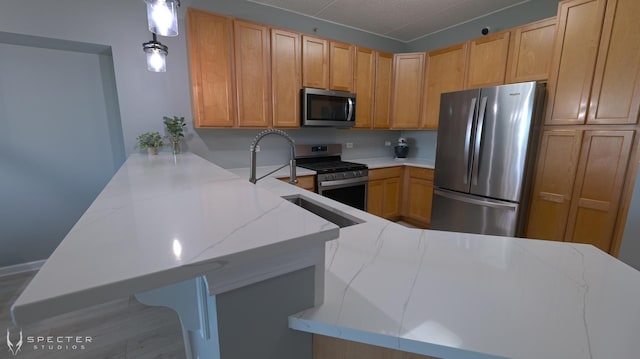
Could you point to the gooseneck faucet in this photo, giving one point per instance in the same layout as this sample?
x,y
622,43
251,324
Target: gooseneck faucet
x,y
292,161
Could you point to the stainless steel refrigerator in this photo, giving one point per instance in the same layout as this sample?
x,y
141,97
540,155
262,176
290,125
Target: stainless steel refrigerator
x,y
487,140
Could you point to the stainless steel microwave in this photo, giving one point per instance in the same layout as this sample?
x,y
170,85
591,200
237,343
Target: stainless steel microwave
x,y
326,108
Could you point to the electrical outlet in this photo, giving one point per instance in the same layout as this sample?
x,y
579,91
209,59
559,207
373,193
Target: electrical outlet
x,y
349,144
387,143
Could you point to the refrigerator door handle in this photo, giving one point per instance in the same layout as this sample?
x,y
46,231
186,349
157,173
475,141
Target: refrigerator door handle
x,y
476,151
480,202
467,140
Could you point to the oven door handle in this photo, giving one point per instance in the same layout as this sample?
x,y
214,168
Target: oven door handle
x,y
332,183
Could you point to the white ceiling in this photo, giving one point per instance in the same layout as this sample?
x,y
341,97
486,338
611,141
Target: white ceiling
x,y
403,20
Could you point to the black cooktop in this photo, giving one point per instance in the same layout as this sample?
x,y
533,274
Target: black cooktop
x,y
330,166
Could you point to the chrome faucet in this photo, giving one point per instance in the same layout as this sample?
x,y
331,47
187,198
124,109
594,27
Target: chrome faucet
x,y
292,161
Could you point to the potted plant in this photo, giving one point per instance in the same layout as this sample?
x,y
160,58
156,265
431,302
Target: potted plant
x,y
175,127
150,141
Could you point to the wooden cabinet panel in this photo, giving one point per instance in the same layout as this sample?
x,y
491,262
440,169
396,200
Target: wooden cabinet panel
x,y
364,86
315,62
408,78
487,63
600,179
445,73
210,48
384,191
253,80
553,186
382,90
615,96
418,195
576,45
306,182
341,66
285,78
530,51
333,348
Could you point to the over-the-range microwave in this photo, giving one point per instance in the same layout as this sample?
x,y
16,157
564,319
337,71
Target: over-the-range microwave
x,y
326,108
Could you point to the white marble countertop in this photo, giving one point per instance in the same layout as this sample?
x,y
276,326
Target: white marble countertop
x,y
381,162
160,220
455,295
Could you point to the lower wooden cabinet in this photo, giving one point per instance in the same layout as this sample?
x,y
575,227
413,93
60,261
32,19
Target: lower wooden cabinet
x,y
305,182
334,348
417,196
383,198
578,186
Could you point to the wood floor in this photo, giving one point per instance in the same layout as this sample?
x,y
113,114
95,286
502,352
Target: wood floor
x,y
119,329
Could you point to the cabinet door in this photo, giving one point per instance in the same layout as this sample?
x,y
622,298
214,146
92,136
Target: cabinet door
x,y
487,63
530,51
445,73
375,197
615,97
341,66
418,195
253,69
553,186
574,57
391,206
315,62
285,78
210,47
599,181
365,76
382,90
408,78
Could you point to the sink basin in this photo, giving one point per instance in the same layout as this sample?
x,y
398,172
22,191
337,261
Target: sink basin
x,y
332,215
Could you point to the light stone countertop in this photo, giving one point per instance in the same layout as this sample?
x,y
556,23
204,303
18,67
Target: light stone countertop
x,y
161,220
382,162
457,295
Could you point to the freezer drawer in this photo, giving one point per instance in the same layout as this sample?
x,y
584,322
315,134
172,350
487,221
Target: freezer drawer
x,y
457,212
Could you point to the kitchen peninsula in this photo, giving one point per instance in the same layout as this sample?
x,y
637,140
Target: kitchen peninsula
x,y
442,294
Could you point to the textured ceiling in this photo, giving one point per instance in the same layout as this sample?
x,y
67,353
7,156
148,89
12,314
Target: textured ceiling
x,y
403,20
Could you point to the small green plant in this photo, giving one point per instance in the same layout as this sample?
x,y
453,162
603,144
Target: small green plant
x,y
149,140
175,127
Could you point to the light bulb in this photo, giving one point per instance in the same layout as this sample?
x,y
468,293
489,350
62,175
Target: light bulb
x,y
162,16
156,61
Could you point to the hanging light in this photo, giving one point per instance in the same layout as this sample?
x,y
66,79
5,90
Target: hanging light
x,y
156,55
163,16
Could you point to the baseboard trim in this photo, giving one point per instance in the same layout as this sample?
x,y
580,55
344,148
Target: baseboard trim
x,y
20,268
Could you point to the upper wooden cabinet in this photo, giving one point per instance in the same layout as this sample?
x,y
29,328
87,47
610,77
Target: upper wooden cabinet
x,y
364,86
445,73
408,79
576,46
615,97
285,78
530,51
341,66
487,61
599,183
210,44
315,62
382,90
253,81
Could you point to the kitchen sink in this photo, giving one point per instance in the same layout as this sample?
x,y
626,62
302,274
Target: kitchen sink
x,y
332,215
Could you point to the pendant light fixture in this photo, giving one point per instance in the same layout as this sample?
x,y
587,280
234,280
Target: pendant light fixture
x,y
162,16
156,55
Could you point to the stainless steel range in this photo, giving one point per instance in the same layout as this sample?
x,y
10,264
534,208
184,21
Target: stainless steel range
x,y
345,182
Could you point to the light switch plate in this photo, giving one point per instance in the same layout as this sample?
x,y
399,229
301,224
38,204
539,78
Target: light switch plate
x,y
349,145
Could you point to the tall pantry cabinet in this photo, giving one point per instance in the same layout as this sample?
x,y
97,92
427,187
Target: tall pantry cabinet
x,y
588,157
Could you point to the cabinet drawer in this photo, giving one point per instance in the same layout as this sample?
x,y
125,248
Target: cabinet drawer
x,y
422,173
382,173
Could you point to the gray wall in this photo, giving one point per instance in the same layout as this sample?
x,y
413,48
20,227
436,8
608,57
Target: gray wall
x,y
61,143
630,249
524,13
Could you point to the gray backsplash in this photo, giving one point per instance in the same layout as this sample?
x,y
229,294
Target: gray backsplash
x,y
229,148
